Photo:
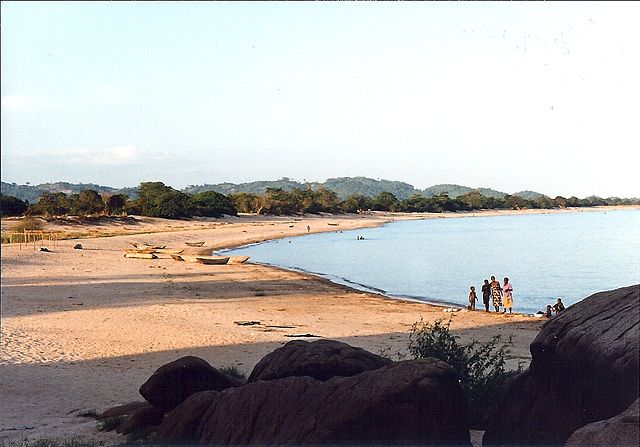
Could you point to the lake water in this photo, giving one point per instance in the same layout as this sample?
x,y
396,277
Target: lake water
x,y
546,256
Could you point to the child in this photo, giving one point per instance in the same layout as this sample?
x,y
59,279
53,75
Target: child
x,y
548,313
472,298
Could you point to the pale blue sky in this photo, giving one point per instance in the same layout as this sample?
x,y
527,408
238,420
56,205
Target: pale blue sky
x,y
540,96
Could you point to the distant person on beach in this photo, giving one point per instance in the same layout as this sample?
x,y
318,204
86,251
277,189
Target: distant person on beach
x,y
558,307
472,298
508,295
486,293
308,228
496,293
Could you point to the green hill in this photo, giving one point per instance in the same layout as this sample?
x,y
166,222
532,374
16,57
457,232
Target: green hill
x,y
459,190
348,186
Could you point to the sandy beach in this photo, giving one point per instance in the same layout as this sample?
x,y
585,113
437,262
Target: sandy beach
x,y
83,329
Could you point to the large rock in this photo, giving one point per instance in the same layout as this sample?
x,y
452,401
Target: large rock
x,y
412,402
322,360
584,368
172,383
622,430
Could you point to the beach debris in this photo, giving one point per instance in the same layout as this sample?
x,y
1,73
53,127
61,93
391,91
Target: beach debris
x,y
45,249
140,255
246,323
452,309
320,359
77,247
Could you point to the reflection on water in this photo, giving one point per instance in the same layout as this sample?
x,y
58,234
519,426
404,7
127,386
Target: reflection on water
x,y
546,256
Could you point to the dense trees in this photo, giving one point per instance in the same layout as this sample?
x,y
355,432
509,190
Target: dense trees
x,y
158,200
213,204
12,206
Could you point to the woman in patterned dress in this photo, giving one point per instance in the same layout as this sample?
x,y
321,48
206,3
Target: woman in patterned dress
x,y
508,295
496,293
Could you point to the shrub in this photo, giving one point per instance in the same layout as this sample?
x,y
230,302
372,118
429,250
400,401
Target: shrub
x,y
480,366
234,371
28,223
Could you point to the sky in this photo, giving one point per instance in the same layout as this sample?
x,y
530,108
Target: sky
x,y
510,96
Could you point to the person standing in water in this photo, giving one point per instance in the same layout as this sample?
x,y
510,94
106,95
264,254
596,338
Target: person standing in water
x,y
508,295
486,293
496,293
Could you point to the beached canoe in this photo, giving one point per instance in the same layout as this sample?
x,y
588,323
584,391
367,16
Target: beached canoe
x,y
141,251
195,244
140,255
169,251
140,246
212,260
237,259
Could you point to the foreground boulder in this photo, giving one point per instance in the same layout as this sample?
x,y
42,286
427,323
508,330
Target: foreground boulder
x,y
584,368
622,430
322,360
412,402
172,383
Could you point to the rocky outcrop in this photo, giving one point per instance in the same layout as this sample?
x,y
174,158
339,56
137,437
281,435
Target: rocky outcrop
x,y
322,360
622,430
584,368
142,422
411,402
172,383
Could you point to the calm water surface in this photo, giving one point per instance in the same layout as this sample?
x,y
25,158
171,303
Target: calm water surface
x,y
546,256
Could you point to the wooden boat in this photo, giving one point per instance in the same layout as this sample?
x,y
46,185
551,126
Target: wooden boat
x,y
186,258
334,224
140,255
237,259
195,244
212,260
140,246
140,250
169,251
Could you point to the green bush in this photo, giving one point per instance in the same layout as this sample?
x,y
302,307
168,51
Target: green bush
x,y
480,366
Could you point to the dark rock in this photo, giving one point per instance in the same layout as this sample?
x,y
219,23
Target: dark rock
x,y
172,383
622,430
77,247
585,367
123,410
142,422
322,360
411,402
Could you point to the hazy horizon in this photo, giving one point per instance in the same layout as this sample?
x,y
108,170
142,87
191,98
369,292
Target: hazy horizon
x,y
524,96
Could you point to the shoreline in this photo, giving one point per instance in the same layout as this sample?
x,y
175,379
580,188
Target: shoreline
x,y
83,329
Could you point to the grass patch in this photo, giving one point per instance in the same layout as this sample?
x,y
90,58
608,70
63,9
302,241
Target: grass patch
x,y
48,442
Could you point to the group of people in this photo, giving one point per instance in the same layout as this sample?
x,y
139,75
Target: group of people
x,y
498,295
502,296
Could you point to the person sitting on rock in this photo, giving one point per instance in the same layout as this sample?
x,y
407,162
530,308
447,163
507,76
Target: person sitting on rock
x,y
548,312
558,307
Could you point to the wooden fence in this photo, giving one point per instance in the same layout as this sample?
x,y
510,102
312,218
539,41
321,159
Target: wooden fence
x,y
31,238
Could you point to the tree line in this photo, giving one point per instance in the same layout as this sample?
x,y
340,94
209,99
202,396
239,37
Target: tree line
x,y
155,199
